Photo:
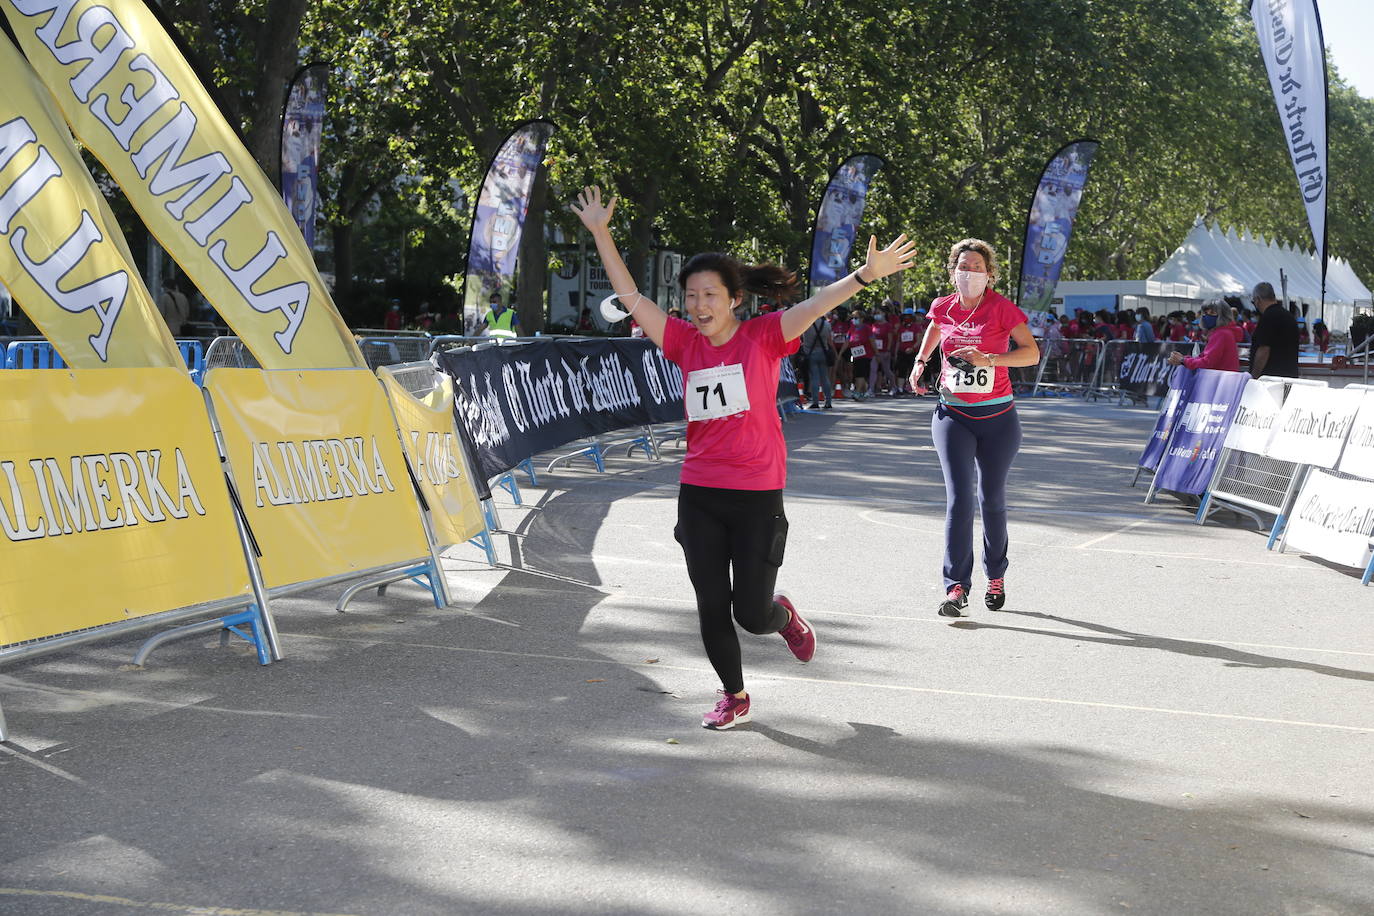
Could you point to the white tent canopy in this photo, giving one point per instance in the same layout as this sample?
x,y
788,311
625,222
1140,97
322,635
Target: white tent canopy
x,y
1213,263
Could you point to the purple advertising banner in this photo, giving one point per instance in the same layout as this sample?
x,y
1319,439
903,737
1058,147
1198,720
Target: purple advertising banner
x,y
302,125
1180,383
499,218
1049,224
1204,419
838,218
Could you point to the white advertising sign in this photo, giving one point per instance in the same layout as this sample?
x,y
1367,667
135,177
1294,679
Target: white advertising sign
x,y
1358,457
1254,420
1313,425
1334,519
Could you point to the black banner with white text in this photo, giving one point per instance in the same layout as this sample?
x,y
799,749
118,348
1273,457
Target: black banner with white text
x,y
518,401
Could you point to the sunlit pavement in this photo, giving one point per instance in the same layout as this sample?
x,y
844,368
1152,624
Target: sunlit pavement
x,y
1165,719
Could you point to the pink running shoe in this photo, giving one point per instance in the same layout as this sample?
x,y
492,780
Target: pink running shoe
x,y
996,595
955,603
729,712
801,639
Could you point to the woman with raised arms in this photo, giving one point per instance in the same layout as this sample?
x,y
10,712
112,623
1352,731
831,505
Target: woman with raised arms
x,y
730,519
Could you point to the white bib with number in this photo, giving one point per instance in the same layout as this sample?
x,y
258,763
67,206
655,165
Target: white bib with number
x,y
908,336
857,351
716,392
978,381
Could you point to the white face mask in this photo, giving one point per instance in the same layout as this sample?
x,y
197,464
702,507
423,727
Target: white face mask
x,y
970,283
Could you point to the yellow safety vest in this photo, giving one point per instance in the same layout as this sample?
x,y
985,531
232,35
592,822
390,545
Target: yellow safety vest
x,y
500,326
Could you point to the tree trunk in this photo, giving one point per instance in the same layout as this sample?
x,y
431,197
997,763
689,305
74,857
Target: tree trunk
x,y
343,267
534,258
642,232
278,51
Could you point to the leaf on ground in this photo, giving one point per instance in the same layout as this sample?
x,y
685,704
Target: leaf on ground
x,y
651,661
673,741
596,680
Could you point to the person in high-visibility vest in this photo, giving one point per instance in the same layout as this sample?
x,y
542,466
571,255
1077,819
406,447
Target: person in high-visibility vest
x,y
499,321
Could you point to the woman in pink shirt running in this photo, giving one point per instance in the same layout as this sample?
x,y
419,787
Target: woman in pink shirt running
x,y
730,519
975,427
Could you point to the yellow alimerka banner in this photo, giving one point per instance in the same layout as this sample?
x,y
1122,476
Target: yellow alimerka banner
x,y
431,440
61,252
319,471
112,501
137,106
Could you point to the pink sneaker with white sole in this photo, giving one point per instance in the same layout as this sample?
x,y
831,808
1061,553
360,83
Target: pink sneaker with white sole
x,y
801,639
729,712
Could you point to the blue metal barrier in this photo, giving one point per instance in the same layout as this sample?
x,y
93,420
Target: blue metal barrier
x,y
39,354
194,355
32,354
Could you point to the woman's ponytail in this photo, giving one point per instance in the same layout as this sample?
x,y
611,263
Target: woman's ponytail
x,y
776,284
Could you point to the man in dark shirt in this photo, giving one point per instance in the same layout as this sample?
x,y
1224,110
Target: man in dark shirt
x,y
1274,345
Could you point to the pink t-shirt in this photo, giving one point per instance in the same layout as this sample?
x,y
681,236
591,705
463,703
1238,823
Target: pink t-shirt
x,y
882,330
987,327
745,450
861,339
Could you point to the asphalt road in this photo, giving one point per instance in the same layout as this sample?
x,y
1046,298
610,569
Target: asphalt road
x,y
1165,719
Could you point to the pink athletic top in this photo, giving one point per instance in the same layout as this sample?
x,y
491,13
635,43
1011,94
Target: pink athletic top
x,y
1220,352
881,331
987,327
746,450
861,339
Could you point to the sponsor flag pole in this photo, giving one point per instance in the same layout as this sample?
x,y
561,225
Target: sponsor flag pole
x,y
838,214
498,216
1290,40
1049,222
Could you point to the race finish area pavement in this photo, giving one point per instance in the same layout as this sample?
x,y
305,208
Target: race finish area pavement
x,y
1165,718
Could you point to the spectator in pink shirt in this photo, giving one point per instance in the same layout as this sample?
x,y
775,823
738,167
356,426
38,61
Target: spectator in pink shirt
x,y
1220,352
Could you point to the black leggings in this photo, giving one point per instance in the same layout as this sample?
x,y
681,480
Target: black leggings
x,y
739,531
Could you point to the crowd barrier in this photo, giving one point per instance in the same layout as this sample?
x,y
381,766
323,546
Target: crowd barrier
x,y
1291,448
1128,371
291,480
1067,367
1246,480
37,353
144,475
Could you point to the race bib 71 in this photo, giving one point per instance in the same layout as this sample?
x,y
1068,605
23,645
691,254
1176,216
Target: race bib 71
x,y
716,392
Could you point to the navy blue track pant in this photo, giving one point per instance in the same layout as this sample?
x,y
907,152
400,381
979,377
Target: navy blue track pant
x,y
976,447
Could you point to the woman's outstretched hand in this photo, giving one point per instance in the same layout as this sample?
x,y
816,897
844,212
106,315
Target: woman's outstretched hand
x,y
884,262
591,211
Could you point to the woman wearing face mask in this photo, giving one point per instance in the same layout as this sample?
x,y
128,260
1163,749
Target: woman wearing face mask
x,y
975,427
730,519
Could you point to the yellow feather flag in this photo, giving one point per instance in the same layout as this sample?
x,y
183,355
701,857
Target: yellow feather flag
x,y
61,252
135,103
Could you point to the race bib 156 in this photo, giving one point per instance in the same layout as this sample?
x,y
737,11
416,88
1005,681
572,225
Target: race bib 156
x,y
978,381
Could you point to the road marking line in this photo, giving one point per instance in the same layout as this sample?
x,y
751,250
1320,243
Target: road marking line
x,y
867,685
156,905
56,771
1111,534
945,621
